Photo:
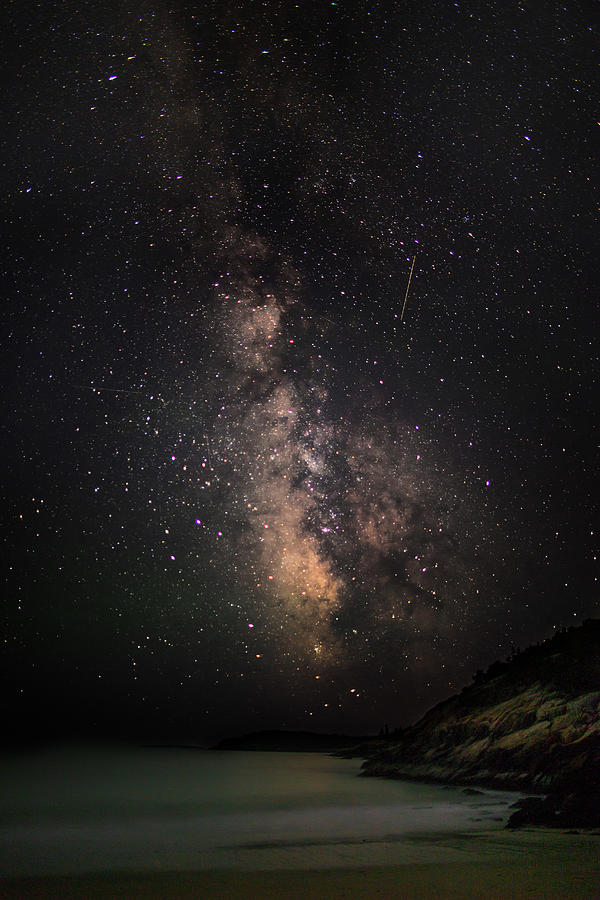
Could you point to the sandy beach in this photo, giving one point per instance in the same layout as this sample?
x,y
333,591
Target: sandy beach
x,y
454,882
526,864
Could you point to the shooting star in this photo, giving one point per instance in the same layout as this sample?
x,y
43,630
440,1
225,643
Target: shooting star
x,y
111,390
210,465
408,287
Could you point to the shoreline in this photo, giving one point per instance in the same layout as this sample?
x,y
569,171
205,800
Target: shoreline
x,y
533,863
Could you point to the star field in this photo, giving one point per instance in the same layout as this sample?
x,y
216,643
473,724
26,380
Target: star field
x,y
242,490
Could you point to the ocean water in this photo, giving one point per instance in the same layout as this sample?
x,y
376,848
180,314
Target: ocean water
x,y
124,809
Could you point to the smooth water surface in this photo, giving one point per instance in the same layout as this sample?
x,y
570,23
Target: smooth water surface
x,y
163,809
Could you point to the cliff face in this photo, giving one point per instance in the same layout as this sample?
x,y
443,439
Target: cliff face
x,y
531,723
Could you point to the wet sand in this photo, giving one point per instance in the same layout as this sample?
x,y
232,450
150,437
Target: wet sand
x,y
526,864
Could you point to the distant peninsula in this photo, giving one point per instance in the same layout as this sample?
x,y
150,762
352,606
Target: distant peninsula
x,y
292,741
530,723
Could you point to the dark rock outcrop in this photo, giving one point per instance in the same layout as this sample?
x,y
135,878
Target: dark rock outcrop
x,y
296,741
530,724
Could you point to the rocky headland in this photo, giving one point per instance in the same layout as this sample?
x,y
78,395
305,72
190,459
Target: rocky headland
x,y
531,724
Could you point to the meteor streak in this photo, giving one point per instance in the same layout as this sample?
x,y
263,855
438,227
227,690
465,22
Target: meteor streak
x,y
408,287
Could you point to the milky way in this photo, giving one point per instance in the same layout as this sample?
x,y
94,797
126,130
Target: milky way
x,y
247,485
319,508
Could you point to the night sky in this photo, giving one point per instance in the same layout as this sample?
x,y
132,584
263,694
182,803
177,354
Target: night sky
x,y
241,490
